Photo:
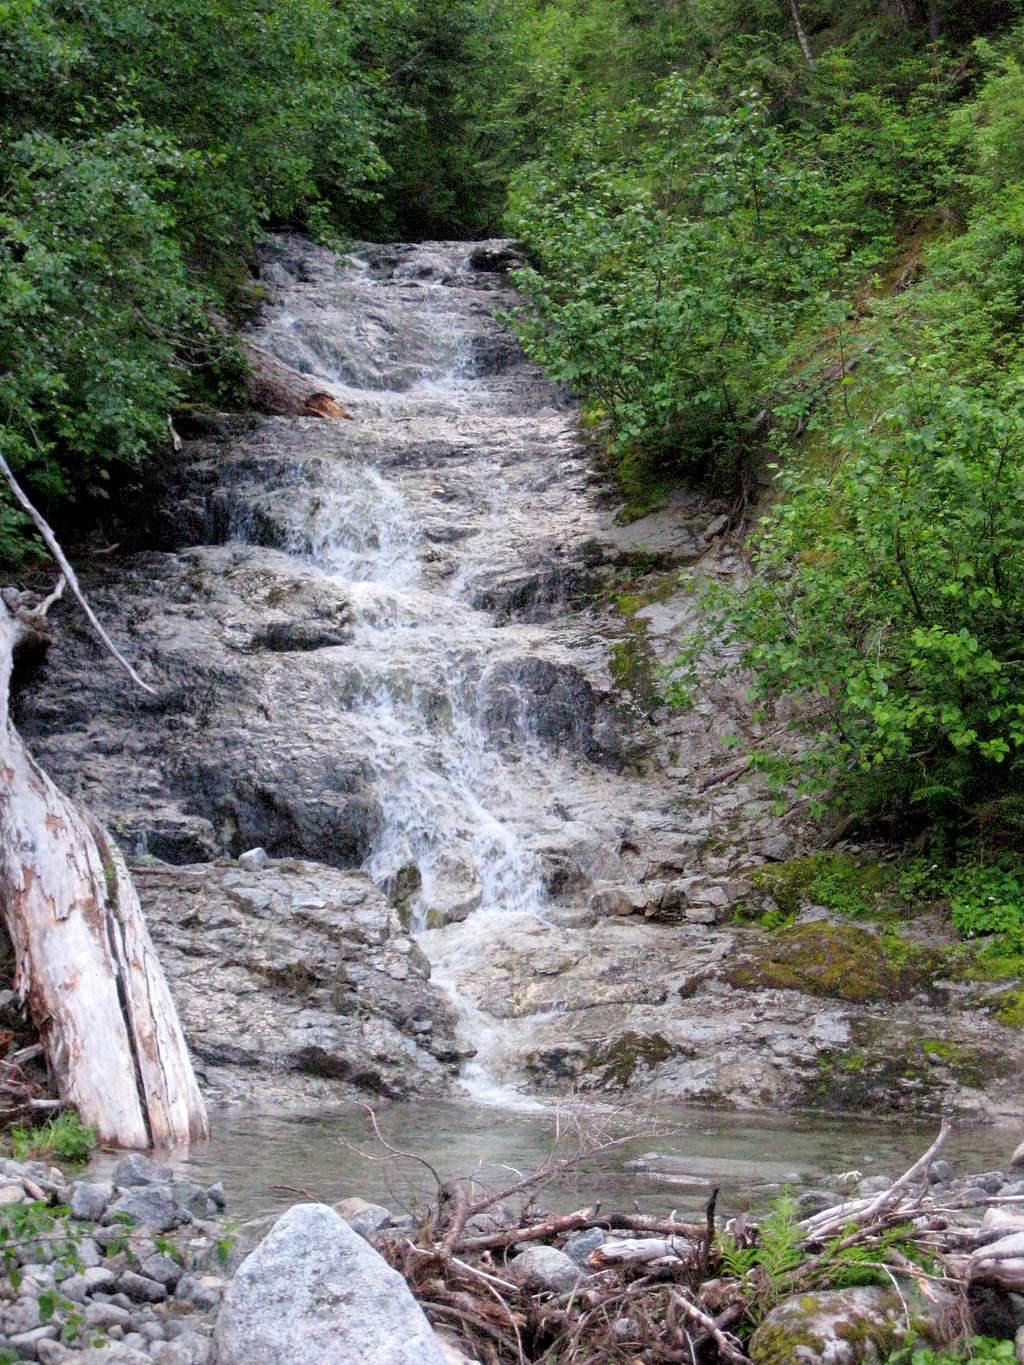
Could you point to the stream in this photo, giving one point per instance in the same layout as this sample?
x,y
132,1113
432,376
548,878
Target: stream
x,y
386,652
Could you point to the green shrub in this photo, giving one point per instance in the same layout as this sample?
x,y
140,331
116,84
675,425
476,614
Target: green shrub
x,y
977,1351
667,281
64,1138
885,597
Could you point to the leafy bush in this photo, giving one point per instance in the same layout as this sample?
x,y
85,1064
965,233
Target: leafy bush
x,y
976,1351
143,148
667,281
885,596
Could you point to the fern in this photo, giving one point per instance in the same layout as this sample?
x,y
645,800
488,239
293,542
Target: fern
x,y
780,1264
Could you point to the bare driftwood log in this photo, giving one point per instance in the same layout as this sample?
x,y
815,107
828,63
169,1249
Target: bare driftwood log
x,y
639,1251
84,961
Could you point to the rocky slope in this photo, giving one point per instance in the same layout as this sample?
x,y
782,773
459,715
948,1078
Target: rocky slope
x,y
414,655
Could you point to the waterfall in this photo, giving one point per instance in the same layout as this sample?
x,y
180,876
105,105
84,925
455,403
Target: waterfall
x,y
448,417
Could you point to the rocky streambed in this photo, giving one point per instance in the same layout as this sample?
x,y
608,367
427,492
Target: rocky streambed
x,y
139,1265
407,811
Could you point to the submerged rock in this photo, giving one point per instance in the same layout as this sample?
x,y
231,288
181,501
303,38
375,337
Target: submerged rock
x,y
315,1290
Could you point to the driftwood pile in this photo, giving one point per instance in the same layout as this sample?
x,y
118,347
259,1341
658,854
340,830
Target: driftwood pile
x,y
668,1290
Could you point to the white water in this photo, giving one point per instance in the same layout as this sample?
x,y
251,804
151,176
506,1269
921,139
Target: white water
x,y
457,807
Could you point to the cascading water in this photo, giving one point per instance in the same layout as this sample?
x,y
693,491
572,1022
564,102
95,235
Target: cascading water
x,y
460,781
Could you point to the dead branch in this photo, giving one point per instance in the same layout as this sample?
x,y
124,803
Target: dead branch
x,y
52,544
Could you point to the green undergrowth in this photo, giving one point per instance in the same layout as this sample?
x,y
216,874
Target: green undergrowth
x,y
976,1351
64,1138
979,900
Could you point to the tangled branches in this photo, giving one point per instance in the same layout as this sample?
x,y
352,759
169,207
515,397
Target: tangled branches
x,y
649,1290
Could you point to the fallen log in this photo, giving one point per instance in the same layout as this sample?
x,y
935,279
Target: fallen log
x,y
638,1251
84,962
279,390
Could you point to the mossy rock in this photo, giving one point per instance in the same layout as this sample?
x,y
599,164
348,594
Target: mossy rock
x,y
1008,1007
836,880
617,1061
849,1325
833,961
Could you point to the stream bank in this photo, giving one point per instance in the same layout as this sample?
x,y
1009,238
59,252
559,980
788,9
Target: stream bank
x,y
411,655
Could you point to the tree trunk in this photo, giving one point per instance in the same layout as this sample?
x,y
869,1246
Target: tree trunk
x,y
934,21
85,963
801,33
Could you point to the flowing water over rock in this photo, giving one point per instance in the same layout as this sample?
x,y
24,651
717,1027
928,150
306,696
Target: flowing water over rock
x,y
394,651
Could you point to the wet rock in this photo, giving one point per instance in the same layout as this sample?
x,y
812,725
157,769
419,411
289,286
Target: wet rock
x,y
316,1281
137,1170
495,256
89,1199
297,981
940,1172
454,892
1017,1160
544,1270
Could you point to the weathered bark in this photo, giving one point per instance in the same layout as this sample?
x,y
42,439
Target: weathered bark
x,y
85,963
801,34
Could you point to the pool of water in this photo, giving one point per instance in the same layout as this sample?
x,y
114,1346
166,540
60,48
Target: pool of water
x,y
268,1161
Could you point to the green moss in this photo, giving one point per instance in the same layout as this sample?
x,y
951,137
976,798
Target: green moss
x,y
632,665
839,962
619,1059
835,880
1009,1008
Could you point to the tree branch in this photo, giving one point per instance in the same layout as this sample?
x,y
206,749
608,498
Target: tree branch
x,y
42,526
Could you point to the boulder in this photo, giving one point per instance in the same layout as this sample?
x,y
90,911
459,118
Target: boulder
x,y
363,1217
1017,1160
140,1170
841,1326
315,1290
545,1270
89,1199
151,1205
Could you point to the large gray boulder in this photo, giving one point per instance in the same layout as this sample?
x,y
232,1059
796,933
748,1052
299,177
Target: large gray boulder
x,y
315,1291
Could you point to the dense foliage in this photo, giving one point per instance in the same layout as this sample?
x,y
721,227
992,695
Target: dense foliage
x,y
144,147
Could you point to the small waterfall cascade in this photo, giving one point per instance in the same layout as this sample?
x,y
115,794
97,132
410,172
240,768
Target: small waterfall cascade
x,y
456,480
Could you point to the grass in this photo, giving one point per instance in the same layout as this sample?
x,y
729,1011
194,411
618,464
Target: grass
x,y
64,1138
